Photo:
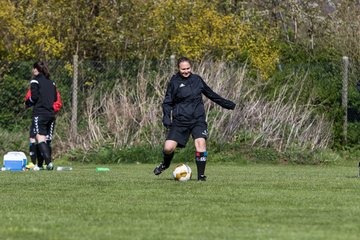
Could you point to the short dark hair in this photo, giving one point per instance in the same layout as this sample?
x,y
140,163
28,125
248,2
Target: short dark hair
x,y
184,59
42,68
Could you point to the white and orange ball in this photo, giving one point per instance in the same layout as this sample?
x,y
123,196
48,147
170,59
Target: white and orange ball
x,y
182,172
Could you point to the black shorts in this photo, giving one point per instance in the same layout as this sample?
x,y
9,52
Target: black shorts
x,y
181,134
43,126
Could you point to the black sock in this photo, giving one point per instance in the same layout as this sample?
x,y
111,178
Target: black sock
x,y
200,158
40,157
167,158
48,142
41,161
44,149
33,152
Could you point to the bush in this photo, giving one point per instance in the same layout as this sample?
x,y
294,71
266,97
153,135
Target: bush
x,y
13,141
107,154
239,153
13,113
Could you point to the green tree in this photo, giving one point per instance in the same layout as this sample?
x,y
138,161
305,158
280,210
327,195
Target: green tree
x,y
197,29
10,30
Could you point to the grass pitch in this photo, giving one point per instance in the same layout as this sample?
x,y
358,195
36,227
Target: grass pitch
x,y
129,202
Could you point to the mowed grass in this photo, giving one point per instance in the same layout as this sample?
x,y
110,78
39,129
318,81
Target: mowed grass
x,y
129,202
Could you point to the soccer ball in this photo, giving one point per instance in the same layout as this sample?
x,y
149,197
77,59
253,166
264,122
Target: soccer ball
x,y
182,172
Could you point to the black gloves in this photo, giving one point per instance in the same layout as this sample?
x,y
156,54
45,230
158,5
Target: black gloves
x,y
166,122
28,103
230,105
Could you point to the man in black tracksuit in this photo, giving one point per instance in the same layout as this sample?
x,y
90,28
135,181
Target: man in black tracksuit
x,y
184,114
35,155
43,96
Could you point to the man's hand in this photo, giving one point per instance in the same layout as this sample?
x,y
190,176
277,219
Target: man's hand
x,y
28,103
230,105
167,122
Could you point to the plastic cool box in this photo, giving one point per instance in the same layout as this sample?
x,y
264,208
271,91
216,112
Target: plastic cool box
x,y
15,161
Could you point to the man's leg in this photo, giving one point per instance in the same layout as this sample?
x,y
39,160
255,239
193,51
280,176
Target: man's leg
x,y
45,150
32,150
201,157
32,144
50,135
168,154
40,158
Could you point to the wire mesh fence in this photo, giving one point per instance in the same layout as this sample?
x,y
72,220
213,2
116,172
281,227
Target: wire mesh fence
x,y
120,101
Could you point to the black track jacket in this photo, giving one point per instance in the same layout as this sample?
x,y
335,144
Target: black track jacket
x,y
43,96
184,98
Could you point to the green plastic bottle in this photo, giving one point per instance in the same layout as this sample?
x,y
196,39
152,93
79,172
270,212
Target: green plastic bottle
x,y
102,169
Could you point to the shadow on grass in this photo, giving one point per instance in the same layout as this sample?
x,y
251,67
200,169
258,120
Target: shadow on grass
x,y
353,176
171,179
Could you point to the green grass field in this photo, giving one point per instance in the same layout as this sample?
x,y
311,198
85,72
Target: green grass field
x,y
129,202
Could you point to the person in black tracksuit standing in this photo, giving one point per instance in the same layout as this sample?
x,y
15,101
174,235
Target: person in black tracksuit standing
x,y
184,114
43,96
35,155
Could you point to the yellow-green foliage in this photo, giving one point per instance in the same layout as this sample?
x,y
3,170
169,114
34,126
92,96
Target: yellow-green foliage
x,y
196,29
10,27
40,42
263,53
209,33
133,28
26,32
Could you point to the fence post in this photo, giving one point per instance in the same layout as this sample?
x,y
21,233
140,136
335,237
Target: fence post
x,y
172,63
344,98
74,99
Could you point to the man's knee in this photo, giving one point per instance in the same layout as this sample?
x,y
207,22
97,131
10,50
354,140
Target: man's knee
x,y
40,138
169,146
200,144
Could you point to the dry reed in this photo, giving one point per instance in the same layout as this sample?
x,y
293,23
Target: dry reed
x,y
131,114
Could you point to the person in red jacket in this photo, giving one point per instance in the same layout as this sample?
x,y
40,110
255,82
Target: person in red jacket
x,y
35,154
